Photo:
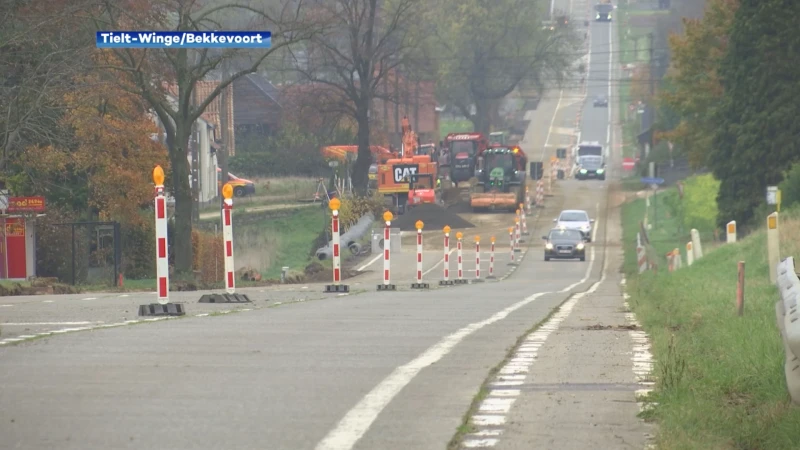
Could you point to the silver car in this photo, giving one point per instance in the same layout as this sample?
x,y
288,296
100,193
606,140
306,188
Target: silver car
x,y
576,219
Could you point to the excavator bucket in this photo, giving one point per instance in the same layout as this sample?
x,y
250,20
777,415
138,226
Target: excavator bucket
x,y
493,200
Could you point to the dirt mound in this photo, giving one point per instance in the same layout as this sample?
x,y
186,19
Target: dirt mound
x,y
433,216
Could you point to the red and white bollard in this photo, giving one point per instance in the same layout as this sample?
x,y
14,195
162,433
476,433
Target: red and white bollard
x,y
491,261
460,260
478,259
419,284
518,237
540,194
163,307
523,218
511,241
227,236
387,285
162,258
527,200
336,249
446,258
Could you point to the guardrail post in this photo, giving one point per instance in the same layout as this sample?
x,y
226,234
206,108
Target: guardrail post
x,y
773,246
731,228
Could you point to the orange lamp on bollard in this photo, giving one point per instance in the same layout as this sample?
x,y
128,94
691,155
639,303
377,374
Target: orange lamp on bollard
x,y
227,191
158,176
335,204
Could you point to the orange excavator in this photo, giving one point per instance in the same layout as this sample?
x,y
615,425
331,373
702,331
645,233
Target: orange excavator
x,y
501,178
409,180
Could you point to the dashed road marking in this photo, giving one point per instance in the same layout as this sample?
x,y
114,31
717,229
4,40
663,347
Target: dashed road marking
x,y
89,298
48,301
498,403
5,306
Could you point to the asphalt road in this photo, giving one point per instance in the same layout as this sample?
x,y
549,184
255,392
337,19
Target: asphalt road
x,y
371,370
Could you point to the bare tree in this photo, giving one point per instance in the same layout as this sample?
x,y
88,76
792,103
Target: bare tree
x,y
151,71
364,41
484,53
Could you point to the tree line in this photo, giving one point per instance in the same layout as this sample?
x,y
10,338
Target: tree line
x,y
734,87
77,123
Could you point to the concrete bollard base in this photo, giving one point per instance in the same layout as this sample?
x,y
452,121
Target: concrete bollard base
x,y
335,289
224,298
157,309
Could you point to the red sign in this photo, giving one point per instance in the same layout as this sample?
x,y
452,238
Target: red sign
x,y
25,204
628,163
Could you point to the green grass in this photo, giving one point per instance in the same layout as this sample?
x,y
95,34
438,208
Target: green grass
x,y
720,380
272,243
454,126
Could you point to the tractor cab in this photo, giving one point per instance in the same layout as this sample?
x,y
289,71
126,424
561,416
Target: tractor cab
x,y
496,168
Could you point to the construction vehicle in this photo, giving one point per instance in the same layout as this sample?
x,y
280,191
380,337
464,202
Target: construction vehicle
x,y
241,186
463,148
409,180
501,179
497,137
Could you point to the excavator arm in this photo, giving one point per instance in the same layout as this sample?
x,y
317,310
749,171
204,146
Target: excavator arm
x,y
410,140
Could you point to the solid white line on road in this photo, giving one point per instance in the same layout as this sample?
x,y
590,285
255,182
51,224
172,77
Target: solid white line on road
x,y
438,264
47,301
20,324
369,263
89,298
5,306
552,122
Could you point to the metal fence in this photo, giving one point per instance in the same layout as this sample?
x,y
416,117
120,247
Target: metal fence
x,y
87,253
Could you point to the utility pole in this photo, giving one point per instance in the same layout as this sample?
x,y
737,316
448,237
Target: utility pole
x,y
651,108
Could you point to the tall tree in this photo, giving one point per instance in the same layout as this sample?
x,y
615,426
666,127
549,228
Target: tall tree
x,y
150,73
484,50
757,127
39,54
364,41
695,88
106,155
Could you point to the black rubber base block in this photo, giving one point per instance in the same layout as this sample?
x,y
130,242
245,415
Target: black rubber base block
x,y
224,298
156,309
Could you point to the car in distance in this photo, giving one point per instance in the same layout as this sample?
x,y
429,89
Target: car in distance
x,y
591,167
564,243
600,100
576,219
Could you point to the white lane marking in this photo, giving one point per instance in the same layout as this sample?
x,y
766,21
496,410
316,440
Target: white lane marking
x,y
22,324
357,421
47,301
89,298
641,357
5,306
439,263
552,122
124,295
370,262
497,402
479,443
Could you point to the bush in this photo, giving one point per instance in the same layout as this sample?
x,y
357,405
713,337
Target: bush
x,y
209,256
790,187
700,202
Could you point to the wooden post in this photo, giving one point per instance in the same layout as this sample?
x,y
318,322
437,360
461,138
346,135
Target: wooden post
x,y
740,290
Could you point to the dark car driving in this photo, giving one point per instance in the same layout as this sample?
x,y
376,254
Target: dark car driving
x,y
564,243
600,101
591,167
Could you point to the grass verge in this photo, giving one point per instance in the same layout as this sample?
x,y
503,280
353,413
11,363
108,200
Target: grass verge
x,y
720,380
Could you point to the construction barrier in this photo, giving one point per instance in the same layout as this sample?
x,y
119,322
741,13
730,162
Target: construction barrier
x,y
478,258
163,307
689,254
527,200
336,259
446,259
162,259
491,261
641,257
227,235
540,194
419,284
524,219
518,233
387,284
460,261
511,240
